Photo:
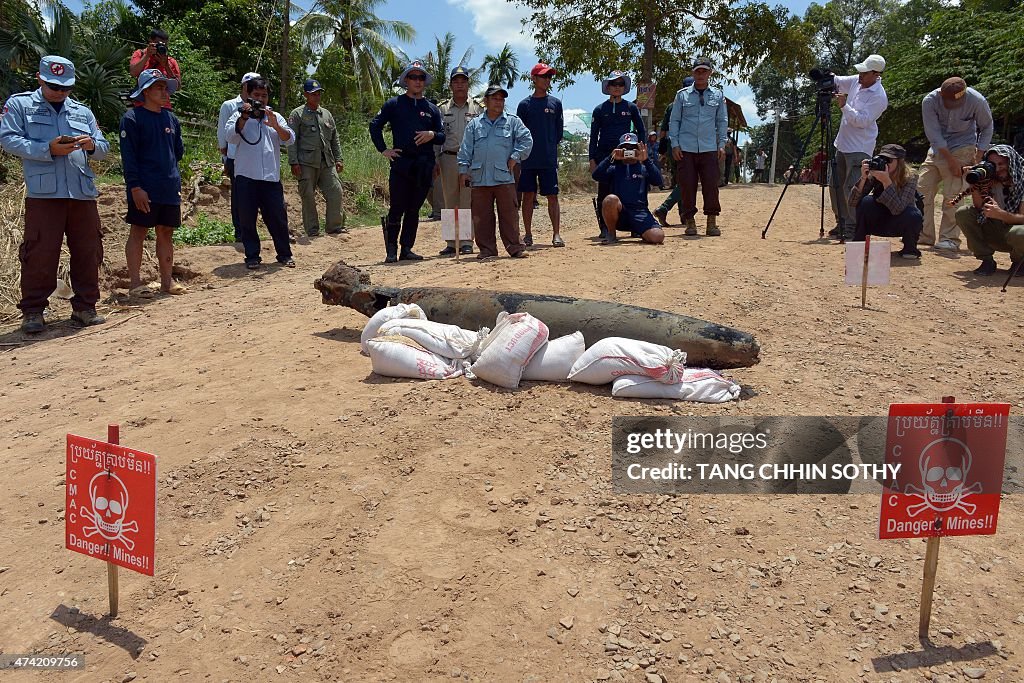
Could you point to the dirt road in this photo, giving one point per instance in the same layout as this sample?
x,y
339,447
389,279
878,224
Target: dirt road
x,y
318,522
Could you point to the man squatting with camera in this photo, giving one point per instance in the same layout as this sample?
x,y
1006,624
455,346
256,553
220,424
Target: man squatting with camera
x,y
155,57
862,100
995,220
628,172
958,123
258,133
884,199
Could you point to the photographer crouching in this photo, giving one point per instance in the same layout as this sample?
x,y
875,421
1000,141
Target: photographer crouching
x,y
995,222
885,198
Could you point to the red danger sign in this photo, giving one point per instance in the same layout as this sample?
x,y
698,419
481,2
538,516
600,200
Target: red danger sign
x,y
110,509
950,458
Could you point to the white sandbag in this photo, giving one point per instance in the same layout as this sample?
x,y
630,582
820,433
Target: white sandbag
x,y
384,315
617,356
398,356
699,384
450,341
554,360
515,339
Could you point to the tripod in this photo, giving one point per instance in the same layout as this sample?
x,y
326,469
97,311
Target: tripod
x,y
822,116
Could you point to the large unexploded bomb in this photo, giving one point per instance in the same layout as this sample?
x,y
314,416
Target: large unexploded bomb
x,y
706,344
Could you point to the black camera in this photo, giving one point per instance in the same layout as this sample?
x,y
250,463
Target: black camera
x,y
161,48
986,170
878,163
258,110
824,80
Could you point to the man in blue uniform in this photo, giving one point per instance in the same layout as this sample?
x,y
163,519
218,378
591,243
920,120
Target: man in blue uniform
x,y
542,115
611,120
151,148
55,137
415,129
629,172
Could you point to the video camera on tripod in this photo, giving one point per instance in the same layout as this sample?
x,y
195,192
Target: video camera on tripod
x,y
824,81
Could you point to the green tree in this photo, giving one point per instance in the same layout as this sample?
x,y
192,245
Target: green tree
x,y
353,27
502,68
440,61
847,31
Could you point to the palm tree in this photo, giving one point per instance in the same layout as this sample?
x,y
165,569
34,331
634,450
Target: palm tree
x,y
353,27
502,68
439,62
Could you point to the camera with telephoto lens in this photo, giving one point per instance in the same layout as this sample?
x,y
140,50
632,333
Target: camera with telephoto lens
x,y
878,163
161,48
258,110
824,80
986,170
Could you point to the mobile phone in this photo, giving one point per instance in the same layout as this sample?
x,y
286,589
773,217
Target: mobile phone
x,y
65,139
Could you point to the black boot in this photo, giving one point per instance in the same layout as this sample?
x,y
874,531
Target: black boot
x,y
390,239
408,240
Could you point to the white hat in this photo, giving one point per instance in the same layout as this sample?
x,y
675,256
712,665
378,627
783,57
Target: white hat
x,y
250,76
872,63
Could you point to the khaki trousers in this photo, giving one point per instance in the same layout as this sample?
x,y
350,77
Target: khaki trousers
x,y
325,178
935,172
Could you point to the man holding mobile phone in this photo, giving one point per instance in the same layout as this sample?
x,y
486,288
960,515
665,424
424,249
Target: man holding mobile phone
x,y
61,192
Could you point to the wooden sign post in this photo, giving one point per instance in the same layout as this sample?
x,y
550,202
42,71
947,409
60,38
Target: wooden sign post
x,y
114,437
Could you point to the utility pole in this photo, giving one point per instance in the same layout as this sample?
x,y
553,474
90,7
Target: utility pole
x,y
282,103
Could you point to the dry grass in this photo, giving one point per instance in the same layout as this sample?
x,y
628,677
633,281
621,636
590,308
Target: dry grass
x,y
12,231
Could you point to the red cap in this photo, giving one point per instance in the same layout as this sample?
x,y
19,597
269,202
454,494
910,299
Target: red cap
x,y
540,69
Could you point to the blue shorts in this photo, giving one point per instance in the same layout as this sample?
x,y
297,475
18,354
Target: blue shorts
x,y
547,177
636,221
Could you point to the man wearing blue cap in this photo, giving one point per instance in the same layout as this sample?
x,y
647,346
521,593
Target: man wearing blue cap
x,y
315,157
698,130
611,120
151,148
227,150
629,172
415,129
55,137
456,113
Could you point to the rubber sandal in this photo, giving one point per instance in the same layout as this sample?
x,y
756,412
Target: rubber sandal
x,y
557,241
142,291
528,240
175,289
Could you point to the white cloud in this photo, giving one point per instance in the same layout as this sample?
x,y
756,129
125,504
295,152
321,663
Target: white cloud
x,y
573,121
498,22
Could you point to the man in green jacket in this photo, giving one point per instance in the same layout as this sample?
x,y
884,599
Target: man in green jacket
x,y
315,158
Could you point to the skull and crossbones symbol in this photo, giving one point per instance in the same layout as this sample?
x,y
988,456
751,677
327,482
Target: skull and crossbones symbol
x,y
944,464
109,508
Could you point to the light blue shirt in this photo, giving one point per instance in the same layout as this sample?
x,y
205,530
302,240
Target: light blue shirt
x,y
258,154
969,125
696,127
27,126
228,108
488,145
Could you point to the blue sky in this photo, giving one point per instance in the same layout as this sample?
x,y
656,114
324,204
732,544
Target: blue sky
x,y
487,25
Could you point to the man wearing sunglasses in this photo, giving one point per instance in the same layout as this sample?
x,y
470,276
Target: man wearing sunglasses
x,y
415,128
55,137
542,115
699,133
612,119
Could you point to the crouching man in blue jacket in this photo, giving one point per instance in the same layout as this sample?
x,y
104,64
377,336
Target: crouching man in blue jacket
x,y
629,172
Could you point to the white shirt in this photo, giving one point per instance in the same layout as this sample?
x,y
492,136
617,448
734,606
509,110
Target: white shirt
x,y
858,129
228,108
260,157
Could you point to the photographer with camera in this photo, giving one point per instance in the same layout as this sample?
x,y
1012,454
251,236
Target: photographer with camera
x,y
885,197
862,100
958,123
155,57
995,221
258,132
629,172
